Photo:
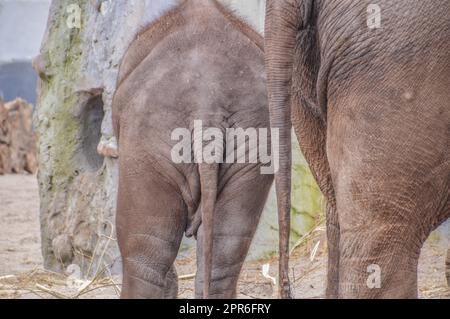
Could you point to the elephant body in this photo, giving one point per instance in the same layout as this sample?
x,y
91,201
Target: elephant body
x,y
371,110
197,62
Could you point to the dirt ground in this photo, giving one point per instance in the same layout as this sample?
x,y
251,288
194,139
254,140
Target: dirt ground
x,y
22,276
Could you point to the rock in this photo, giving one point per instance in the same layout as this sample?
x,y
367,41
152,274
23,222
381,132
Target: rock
x,y
62,248
108,148
17,139
38,64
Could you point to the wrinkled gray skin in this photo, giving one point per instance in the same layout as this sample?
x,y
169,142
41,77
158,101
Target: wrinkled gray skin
x,y
198,62
371,110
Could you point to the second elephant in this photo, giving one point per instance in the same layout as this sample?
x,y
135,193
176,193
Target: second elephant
x,y
196,63
370,107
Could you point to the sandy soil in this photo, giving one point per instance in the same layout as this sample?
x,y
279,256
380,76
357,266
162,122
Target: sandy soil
x,y
22,276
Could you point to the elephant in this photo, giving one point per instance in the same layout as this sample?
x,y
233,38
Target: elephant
x,y
198,62
366,89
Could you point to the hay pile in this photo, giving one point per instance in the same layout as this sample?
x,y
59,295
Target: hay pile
x,y
17,139
45,284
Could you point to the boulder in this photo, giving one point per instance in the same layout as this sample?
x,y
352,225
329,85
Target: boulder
x,y
17,138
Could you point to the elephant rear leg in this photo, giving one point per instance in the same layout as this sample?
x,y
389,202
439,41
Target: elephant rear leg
x,y
150,225
238,209
311,133
385,217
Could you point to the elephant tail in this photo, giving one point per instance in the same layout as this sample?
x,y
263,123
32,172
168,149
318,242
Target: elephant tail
x,y
284,19
208,184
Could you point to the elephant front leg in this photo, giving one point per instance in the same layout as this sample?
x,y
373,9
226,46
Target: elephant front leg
x,y
238,210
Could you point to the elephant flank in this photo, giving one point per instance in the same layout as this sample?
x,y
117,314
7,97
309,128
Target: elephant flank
x,y
208,183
